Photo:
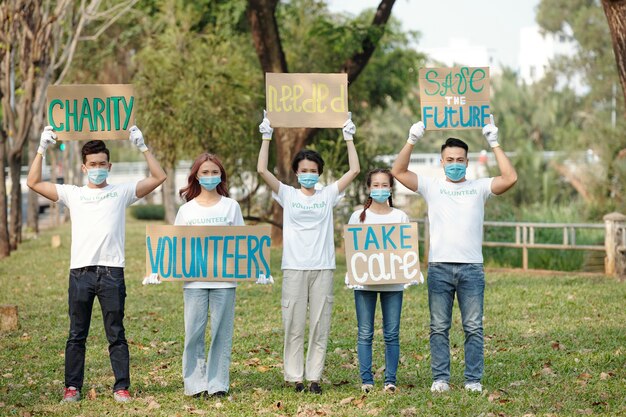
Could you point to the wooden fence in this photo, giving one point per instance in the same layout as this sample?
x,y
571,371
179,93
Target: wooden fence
x,y
527,235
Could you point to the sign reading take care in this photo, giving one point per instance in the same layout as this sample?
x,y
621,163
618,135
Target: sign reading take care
x,y
306,100
85,112
381,253
454,98
208,253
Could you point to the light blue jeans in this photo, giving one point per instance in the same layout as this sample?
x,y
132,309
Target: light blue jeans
x,y
468,282
391,306
200,372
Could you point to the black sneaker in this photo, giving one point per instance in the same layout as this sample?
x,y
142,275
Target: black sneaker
x,y
219,394
201,394
299,387
315,388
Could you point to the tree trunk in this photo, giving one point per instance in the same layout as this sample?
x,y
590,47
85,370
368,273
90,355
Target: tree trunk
x,y
5,247
15,219
615,11
168,191
32,208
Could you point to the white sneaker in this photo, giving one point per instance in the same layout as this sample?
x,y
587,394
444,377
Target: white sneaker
x,y
474,387
366,388
439,386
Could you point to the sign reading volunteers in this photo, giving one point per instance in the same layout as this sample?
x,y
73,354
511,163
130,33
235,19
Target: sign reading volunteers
x,y
208,253
381,253
86,112
306,100
454,98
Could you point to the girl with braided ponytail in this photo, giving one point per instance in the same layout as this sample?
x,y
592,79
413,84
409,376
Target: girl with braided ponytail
x,y
378,209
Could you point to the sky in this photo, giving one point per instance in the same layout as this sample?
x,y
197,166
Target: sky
x,y
492,23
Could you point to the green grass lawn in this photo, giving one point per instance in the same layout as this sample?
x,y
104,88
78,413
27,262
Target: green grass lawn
x,y
555,345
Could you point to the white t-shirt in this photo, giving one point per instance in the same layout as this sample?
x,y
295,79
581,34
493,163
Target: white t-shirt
x,y
98,222
395,216
225,212
308,241
456,213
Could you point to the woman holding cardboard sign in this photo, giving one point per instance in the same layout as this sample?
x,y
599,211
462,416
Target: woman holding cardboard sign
x,y
308,260
378,209
208,204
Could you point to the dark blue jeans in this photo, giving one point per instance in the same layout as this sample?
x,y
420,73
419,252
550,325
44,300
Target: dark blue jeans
x,y
391,306
106,283
467,281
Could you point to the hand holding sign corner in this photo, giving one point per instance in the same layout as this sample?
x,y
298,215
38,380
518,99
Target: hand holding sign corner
x,y
490,132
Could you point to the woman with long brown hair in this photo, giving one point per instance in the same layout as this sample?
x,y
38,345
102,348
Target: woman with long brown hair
x,y
208,204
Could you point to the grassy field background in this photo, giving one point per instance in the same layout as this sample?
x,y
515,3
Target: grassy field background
x,y
555,345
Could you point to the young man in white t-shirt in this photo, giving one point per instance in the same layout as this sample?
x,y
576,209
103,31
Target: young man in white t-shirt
x,y
98,212
455,261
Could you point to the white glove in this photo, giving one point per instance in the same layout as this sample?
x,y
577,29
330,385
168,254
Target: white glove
x,y
47,137
262,279
151,279
416,132
349,129
136,138
490,132
265,128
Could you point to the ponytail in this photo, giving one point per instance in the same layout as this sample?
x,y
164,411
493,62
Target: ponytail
x,y
367,205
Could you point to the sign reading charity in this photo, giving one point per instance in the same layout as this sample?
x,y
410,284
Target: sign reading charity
x,y
454,98
381,253
86,112
208,253
306,100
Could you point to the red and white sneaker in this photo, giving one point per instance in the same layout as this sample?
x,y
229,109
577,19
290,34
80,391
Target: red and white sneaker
x,y
70,395
122,396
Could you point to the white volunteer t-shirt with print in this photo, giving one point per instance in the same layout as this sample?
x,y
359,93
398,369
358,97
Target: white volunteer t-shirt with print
x,y
98,222
308,232
456,214
225,212
395,216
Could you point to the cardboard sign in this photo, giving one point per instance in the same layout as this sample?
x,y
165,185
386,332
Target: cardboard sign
x,y
454,98
208,253
86,112
381,253
306,100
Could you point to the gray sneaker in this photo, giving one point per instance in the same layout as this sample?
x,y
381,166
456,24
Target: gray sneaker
x,y
122,396
70,395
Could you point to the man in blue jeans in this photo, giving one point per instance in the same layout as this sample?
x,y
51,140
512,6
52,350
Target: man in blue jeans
x,y
98,212
455,261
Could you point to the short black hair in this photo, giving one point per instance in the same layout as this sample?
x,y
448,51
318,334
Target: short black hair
x,y
93,147
309,155
455,143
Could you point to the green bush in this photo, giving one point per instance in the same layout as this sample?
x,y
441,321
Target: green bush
x,y
148,212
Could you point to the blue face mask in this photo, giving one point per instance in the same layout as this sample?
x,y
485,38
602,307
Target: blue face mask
x,y
308,180
380,195
209,182
455,171
97,175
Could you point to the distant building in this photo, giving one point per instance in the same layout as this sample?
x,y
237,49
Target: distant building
x,y
459,51
536,51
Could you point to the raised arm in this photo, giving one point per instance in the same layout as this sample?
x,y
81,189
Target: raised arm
x,y
157,175
349,129
34,182
508,175
261,167
400,167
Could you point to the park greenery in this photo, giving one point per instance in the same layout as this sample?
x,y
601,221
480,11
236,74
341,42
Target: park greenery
x,y
199,71
554,346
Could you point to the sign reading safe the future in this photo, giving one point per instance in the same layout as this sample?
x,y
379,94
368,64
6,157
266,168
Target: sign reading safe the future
x,y
454,98
381,253
208,253
97,111
306,100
